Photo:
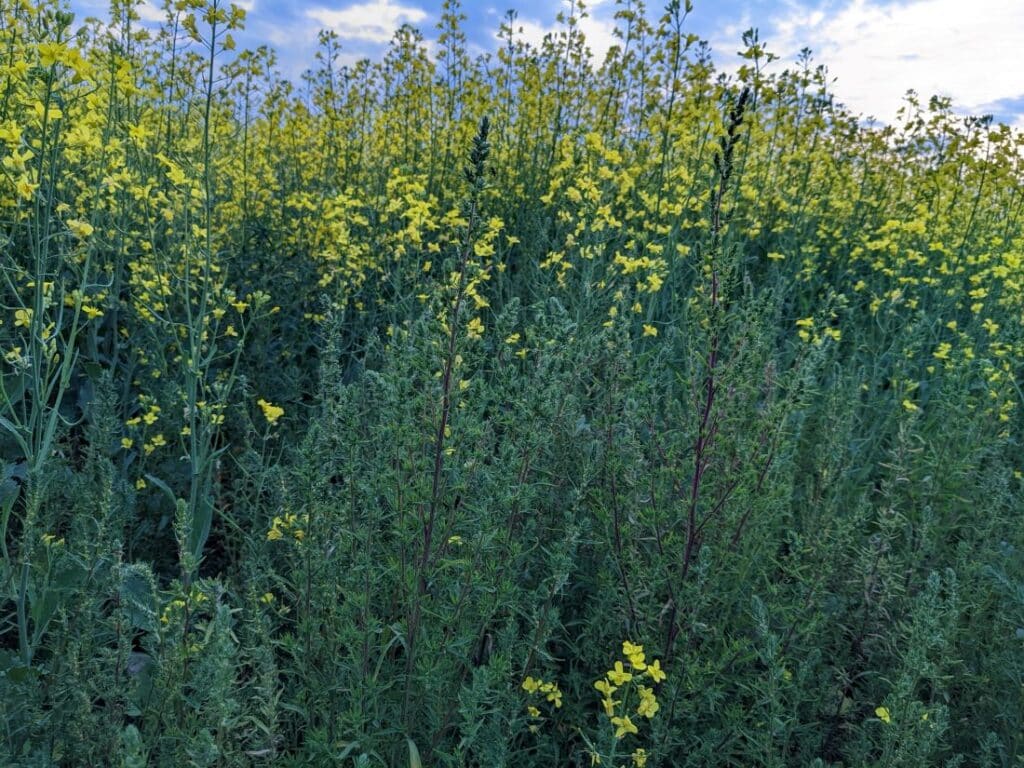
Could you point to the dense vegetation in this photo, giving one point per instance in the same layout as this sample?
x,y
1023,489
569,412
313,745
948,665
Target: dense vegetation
x,y
524,410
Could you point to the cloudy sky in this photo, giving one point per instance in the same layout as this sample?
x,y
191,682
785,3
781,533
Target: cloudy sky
x,y
877,49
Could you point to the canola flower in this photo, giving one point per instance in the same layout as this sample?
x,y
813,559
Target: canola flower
x,y
80,229
289,525
619,675
618,679
623,726
625,679
548,690
270,412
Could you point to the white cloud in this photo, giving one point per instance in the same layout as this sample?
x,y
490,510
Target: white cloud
x,y
598,31
374,21
151,12
936,47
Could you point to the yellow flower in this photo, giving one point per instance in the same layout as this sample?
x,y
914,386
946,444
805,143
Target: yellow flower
x,y
650,330
531,686
635,654
274,534
475,328
623,726
127,442
655,671
640,758
22,317
605,687
175,174
532,711
267,598
883,714
910,405
155,442
270,412
609,706
138,132
648,705
25,188
80,229
50,53
619,675
91,312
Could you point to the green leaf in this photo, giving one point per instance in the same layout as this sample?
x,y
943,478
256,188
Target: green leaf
x,y
13,387
162,486
137,596
199,531
414,755
16,434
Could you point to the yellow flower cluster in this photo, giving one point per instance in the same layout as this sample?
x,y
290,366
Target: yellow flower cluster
x,y
271,412
289,524
807,331
192,600
624,678
548,690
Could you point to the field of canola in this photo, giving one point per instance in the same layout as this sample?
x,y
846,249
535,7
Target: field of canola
x,y
519,410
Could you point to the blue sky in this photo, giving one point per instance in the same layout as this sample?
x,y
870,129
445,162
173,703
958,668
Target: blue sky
x,y
877,49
